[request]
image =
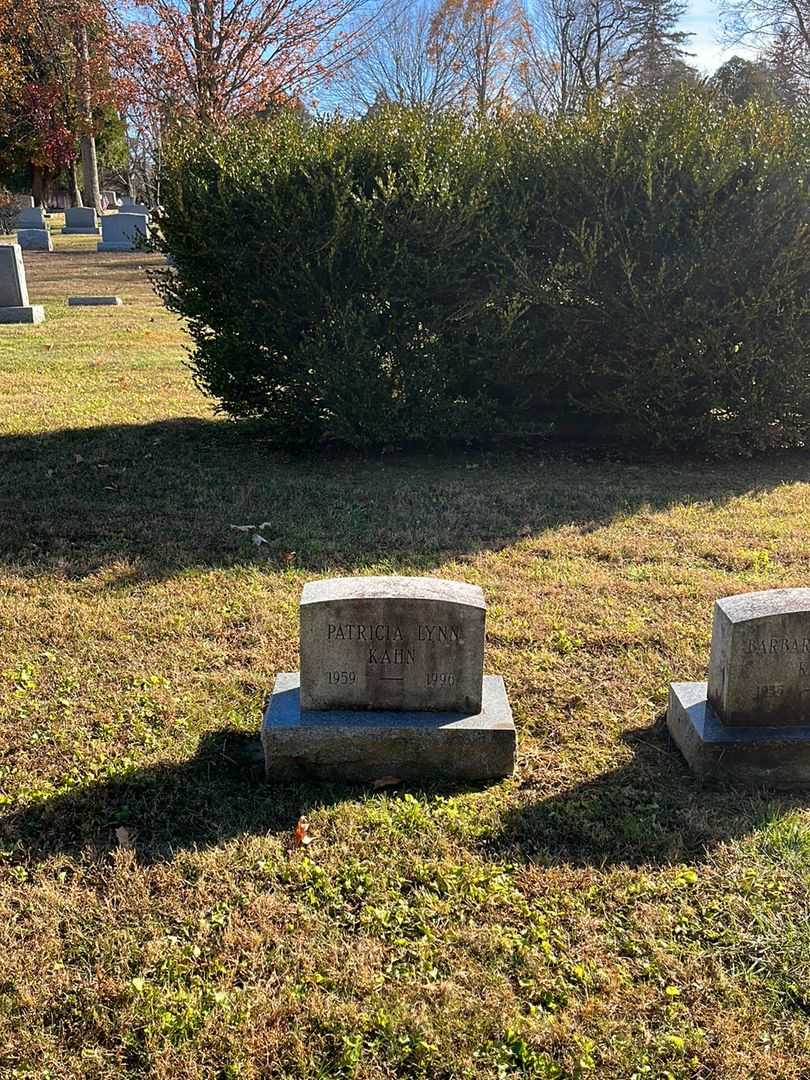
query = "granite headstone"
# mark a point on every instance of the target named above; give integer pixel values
(391, 683)
(751, 720)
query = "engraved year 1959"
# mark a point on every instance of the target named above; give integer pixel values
(341, 677)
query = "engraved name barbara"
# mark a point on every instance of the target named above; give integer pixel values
(777, 646)
(388, 644)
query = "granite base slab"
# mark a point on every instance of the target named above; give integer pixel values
(358, 746)
(112, 245)
(81, 232)
(756, 756)
(32, 313)
(94, 301)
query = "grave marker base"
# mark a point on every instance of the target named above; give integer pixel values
(776, 757)
(34, 313)
(363, 746)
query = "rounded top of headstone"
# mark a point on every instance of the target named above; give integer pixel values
(759, 605)
(381, 588)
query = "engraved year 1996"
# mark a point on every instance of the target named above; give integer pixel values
(441, 678)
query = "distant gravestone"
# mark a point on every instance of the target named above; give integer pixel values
(14, 306)
(391, 683)
(120, 231)
(80, 221)
(31, 218)
(94, 301)
(25, 202)
(35, 239)
(130, 206)
(110, 199)
(751, 720)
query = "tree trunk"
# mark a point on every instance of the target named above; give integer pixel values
(38, 185)
(92, 193)
(75, 189)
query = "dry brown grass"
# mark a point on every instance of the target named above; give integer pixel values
(601, 914)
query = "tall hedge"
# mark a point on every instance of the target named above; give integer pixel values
(642, 270)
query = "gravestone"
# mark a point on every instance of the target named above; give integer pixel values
(34, 239)
(80, 221)
(130, 206)
(392, 684)
(25, 202)
(94, 301)
(31, 217)
(14, 306)
(119, 231)
(110, 198)
(751, 720)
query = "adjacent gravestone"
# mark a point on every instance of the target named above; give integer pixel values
(120, 231)
(130, 206)
(80, 221)
(110, 198)
(391, 683)
(751, 720)
(34, 239)
(31, 217)
(14, 306)
(25, 202)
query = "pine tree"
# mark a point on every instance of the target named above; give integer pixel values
(654, 44)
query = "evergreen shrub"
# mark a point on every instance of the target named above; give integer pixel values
(642, 269)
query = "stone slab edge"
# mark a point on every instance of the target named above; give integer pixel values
(107, 245)
(361, 746)
(34, 313)
(81, 232)
(94, 301)
(755, 756)
(444, 590)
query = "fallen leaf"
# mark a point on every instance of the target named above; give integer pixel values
(124, 838)
(265, 525)
(243, 528)
(289, 558)
(386, 781)
(258, 540)
(301, 836)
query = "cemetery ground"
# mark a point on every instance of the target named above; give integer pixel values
(602, 913)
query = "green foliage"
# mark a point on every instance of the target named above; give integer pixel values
(642, 269)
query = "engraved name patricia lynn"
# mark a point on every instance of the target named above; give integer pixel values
(387, 644)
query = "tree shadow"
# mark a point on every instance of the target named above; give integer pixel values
(217, 794)
(651, 810)
(153, 499)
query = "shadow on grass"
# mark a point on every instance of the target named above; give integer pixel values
(209, 798)
(651, 810)
(163, 496)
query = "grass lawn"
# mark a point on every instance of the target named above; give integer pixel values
(602, 913)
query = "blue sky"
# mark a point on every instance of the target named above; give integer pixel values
(703, 20)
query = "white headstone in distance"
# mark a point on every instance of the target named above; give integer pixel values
(14, 306)
(80, 221)
(120, 231)
(35, 239)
